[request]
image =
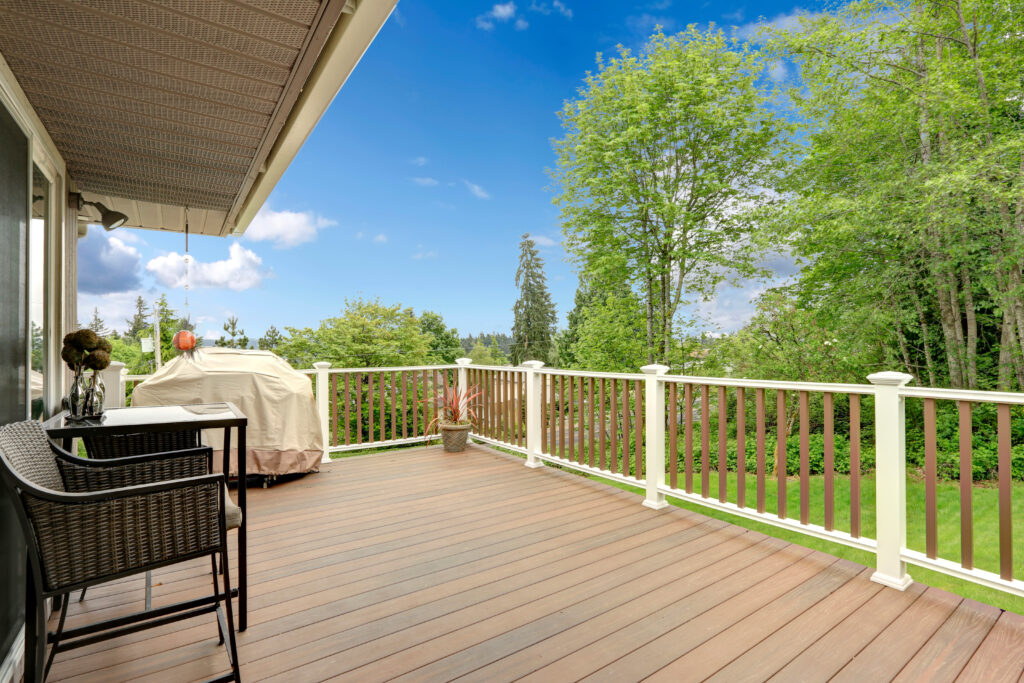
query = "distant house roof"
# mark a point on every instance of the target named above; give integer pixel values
(156, 107)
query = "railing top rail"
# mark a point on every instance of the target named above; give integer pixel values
(972, 395)
(589, 373)
(823, 387)
(135, 378)
(503, 368)
(401, 368)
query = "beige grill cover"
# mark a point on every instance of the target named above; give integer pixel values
(283, 436)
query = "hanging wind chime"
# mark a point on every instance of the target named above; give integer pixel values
(184, 340)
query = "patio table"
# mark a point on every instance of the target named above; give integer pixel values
(149, 419)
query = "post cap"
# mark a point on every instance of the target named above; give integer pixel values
(655, 369)
(321, 365)
(533, 364)
(890, 379)
(116, 366)
(463, 361)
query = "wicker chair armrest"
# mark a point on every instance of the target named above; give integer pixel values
(86, 538)
(81, 475)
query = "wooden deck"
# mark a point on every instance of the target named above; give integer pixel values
(424, 566)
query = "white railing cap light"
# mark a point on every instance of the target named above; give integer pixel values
(533, 364)
(655, 369)
(463, 361)
(890, 379)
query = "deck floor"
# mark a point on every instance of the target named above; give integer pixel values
(422, 566)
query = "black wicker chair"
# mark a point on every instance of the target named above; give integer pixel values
(88, 521)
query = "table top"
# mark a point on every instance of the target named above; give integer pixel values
(149, 419)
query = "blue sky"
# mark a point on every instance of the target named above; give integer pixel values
(419, 181)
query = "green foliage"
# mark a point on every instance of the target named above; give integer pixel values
(444, 343)
(97, 325)
(139, 322)
(270, 340)
(234, 337)
(533, 328)
(366, 334)
(487, 355)
(664, 157)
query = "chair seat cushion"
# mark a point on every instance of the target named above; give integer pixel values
(232, 513)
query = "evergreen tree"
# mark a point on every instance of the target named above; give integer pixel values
(567, 340)
(139, 322)
(234, 337)
(97, 325)
(270, 340)
(533, 328)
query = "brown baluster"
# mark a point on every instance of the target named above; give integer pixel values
(805, 458)
(966, 480)
(855, 465)
(561, 416)
(553, 420)
(359, 407)
(688, 436)
(383, 391)
(405, 404)
(334, 411)
(544, 413)
(613, 429)
(590, 420)
(673, 438)
(705, 440)
(1005, 488)
(347, 409)
(759, 437)
(638, 429)
(580, 455)
(723, 444)
(572, 418)
(780, 450)
(603, 437)
(369, 407)
(830, 463)
(625, 428)
(741, 448)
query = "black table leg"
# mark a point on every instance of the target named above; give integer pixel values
(35, 629)
(243, 571)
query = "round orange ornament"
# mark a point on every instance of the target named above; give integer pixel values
(184, 341)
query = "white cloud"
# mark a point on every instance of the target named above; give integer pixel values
(500, 12)
(543, 240)
(504, 11)
(419, 161)
(425, 182)
(522, 24)
(786, 21)
(778, 71)
(556, 6)
(213, 334)
(240, 271)
(360, 235)
(285, 228)
(106, 263)
(738, 15)
(478, 192)
(422, 253)
(645, 24)
(380, 238)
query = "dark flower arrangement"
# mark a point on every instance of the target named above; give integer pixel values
(85, 350)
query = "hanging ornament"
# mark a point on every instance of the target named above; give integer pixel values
(184, 340)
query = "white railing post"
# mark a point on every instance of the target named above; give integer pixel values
(463, 363)
(890, 480)
(654, 446)
(534, 400)
(321, 406)
(113, 386)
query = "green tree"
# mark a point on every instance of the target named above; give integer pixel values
(139, 322)
(97, 325)
(533, 327)
(610, 336)
(445, 346)
(664, 156)
(234, 337)
(366, 334)
(907, 201)
(270, 340)
(485, 355)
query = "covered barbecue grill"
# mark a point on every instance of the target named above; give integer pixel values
(283, 435)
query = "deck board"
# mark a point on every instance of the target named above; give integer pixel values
(422, 566)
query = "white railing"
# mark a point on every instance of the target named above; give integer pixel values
(613, 426)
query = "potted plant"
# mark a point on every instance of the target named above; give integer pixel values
(454, 416)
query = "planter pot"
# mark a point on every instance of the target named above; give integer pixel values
(454, 436)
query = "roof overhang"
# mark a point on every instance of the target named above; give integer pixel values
(201, 106)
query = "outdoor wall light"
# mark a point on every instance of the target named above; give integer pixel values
(108, 219)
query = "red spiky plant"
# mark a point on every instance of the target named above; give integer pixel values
(453, 406)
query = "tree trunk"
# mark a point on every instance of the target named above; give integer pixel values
(925, 340)
(971, 349)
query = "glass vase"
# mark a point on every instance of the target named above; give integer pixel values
(77, 396)
(97, 391)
